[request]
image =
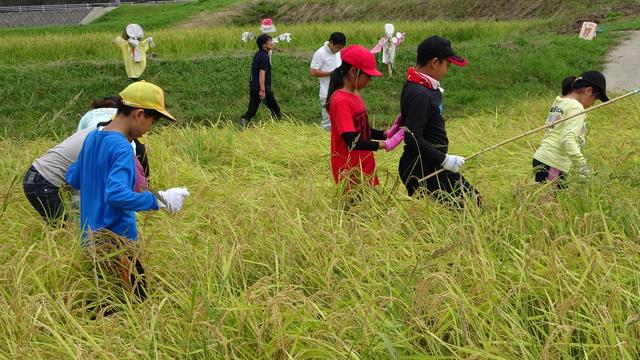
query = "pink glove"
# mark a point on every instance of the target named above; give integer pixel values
(394, 127)
(141, 181)
(394, 141)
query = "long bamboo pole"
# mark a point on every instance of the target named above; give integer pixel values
(527, 133)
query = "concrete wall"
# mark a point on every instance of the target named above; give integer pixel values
(38, 18)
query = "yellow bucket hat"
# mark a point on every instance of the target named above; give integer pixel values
(144, 95)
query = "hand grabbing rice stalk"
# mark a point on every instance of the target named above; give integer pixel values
(105, 174)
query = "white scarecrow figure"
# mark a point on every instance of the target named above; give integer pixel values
(388, 44)
(134, 49)
(267, 27)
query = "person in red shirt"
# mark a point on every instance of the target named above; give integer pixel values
(353, 141)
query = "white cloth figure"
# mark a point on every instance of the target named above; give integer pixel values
(286, 37)
(246, 36)
(388, 44)
(135, 34)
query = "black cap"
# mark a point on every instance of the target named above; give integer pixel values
(596, 80)
(437, 47)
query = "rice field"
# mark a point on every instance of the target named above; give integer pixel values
(266, 261)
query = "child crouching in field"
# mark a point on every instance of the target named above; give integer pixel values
(105, 174)
(44, 180)
(353, 141)
(561, 147)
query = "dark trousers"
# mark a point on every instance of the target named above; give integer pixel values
(141, 154)
(541, 173)
(114, 262)
(118, 257)
(446, 186)
(43, 195)
(254, 103)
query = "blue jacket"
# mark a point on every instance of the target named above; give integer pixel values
(105, 175)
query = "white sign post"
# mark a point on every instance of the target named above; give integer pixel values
(588, 31)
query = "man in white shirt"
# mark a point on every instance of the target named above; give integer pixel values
(325, 60)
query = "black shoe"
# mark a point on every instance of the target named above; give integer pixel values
(243, 123)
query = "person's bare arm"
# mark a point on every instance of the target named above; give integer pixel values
(262, 93)
(318, 73)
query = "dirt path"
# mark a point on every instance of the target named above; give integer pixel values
(622, 69)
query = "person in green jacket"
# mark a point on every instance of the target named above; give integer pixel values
(560, 151)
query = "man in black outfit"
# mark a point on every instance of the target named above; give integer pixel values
(260, 82)
(426, 142)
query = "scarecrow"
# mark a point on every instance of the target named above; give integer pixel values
(267, 27)
(388, 44)
(134, 50)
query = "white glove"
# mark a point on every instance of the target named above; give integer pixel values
(584, 171)
(453, 163)
(171, 200)
(150, 42)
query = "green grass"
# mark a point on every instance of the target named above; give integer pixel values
(264, 263)
(156, 16)
(206, 77)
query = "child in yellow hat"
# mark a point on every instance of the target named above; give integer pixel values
(105, 174)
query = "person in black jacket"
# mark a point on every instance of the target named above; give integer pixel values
(260, 82)
(426, 142)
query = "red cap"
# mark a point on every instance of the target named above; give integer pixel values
(360, 58)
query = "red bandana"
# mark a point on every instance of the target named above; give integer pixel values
(419, 78)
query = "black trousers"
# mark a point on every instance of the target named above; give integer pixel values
(254, 103)
(446, 186)
(43, 195)
(541, 173)
(120, 258)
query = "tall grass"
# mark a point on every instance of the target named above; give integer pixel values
(205, 72)
(188, 43)
(265, 263)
